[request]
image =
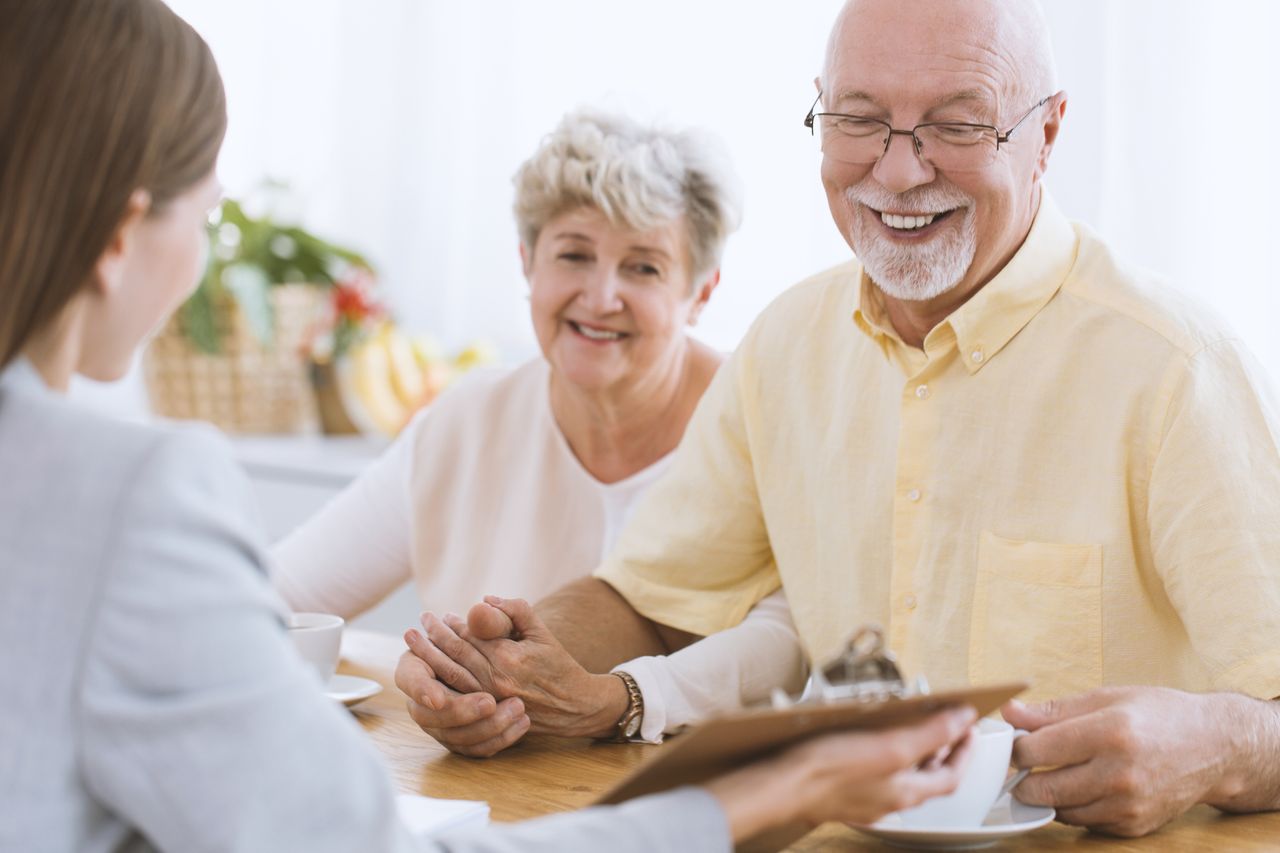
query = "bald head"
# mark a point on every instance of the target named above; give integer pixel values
(930, 64)
(1009, 36)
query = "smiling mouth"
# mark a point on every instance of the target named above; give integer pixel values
(593, 334)
(911, 223)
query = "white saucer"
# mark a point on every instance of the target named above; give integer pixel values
(1007, 817)
(350, 689)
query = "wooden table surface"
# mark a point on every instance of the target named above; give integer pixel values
(542, 775)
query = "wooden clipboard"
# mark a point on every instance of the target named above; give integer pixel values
(724, 743)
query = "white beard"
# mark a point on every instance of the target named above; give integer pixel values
(913, 272)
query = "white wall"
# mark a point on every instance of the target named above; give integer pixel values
(400, 122)
(1167, 150)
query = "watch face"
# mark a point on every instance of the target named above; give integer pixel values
(633, 726)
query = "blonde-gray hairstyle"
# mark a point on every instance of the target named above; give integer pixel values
(638, 176)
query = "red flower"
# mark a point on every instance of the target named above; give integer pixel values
(353, 298)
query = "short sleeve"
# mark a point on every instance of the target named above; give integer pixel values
(696, 554)
(1214, 511)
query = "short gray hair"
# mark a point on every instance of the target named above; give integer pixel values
(638, 176)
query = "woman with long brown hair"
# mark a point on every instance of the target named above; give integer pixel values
(152, 698)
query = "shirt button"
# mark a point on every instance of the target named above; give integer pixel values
(922, 391)
(913, 495)
(909, 601)
(977, 356)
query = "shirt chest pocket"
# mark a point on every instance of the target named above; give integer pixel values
(1037, 616)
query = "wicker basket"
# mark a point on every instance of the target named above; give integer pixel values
(245, 388)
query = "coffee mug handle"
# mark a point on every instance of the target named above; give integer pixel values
(1012, 781)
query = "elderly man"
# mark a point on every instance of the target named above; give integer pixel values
(1027, 459)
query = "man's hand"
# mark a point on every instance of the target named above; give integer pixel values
(1127, 760)
(505, 650)
(469, 723)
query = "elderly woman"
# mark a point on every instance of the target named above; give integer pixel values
(520, 480)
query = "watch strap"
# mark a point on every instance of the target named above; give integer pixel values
(628, 725)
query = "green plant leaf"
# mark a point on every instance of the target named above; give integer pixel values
(249, 287)
(247, 257)
(198, 321)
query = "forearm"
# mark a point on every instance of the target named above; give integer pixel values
(1251, 781)
(597, 626)
(353, 552)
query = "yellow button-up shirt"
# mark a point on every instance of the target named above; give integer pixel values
(1076, 482)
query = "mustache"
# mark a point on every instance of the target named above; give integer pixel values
(926, 199)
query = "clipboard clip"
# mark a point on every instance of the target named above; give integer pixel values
(866, 671)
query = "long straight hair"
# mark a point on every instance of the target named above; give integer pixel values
(98, 98)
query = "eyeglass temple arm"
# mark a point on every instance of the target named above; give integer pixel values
(808, 119)
(1009, 133)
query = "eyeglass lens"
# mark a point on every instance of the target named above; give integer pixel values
(954, 147)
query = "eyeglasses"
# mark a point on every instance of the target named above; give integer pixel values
(952, 146)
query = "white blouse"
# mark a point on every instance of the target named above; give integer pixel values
(481, 494)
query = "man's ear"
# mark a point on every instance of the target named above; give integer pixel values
(1052, 125)
(109, 270)
(703, 294)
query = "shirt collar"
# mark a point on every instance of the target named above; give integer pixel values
(21, 375)
(1002, 307)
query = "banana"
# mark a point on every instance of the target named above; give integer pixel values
(386, 377)
(427, 350)
(407, 377)
(436, 371)
(438, 376)
(365, 385)
(477, 354)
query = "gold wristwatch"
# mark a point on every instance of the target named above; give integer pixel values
(629, 723)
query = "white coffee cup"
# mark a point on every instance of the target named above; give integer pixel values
(318, 638)
(985, 778)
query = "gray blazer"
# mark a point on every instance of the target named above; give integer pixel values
(151, 696)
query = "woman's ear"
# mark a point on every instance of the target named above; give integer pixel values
(702, 295)
(526, 260)
(109, 270)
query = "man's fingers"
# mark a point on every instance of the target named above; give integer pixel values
(1108, 816)
(1032, 716)
(446, 670)
(487, 622)
(1074, 741)
(1064, 788)
(523, 620)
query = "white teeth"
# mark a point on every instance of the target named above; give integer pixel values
(906, 223)
(596, 334)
